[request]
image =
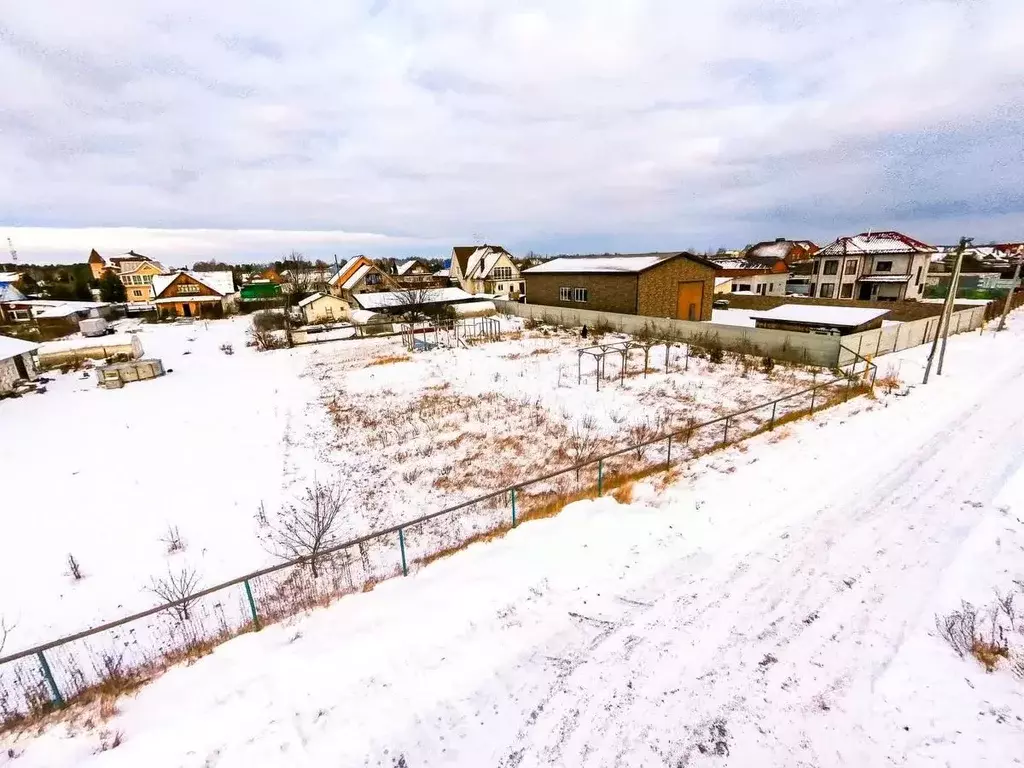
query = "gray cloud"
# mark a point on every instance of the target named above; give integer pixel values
(536, 124)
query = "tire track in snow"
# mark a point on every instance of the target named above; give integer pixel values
(759, 667)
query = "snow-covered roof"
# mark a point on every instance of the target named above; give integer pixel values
(363, 316)
(9, 293)
(310, 299)
(9, 347)
(875, 242)
(221, 282)
(610, 263)
(385, 299)
(813, 314)
(44, 308)
(9, 277)
(345, 268)
(406, 266)
(86, 342)
(353, 281)
(443, 273)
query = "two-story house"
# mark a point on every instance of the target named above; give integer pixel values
(194, 294)
(134, 270)
(360, 275)
(486, 269)
(872, 266)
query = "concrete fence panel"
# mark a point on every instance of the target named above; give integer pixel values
(780, 345)
(906, 335)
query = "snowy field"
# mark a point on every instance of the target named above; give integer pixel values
(102, 475)
(773, 606)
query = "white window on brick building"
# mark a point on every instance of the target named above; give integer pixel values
(565, 294)
(580, 295)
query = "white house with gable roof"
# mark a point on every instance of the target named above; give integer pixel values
(487, 269)
(872, 266)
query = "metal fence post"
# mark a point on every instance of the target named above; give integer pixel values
(252, 605)
(57, 698)
(774, 406)
(725, 434)
(668, 462)
(814, 391)
(600, 477)
(401, 544)
(849, 382)
(513, 507)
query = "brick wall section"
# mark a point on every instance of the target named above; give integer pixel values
(653, 292)
(607, 293)
(659, 287)
(904, 311)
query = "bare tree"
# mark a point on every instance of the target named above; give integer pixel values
(304, 529)
(5, 630)
(177, 588)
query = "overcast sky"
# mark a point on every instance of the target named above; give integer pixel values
(241, 130)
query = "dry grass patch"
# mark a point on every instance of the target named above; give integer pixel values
(388, 359)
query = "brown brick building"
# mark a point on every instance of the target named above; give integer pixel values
(674, 285)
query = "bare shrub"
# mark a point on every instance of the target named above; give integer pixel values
(74, 568)
(583, 441)
(269, 321)
(177, 588)
(962, 631)
(261, 516)
(889, 383)
(173, 540)
(109, 741)
(304, 529)
(601, 328)
(267, 340)
(767, 366)
(639, 433)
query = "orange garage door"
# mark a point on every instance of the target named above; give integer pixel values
(689, 300)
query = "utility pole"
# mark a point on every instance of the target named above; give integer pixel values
(1013, 287)
(947, 309)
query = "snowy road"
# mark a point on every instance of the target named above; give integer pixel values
(773, 609)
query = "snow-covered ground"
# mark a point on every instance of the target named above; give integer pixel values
(102, 475)
(773, 606)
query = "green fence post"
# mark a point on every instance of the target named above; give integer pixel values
(513, 507)
(774, 406)
(600, 476)
(813, 393)
(668, 462)
(725, 434)
(401, 544)
(252, 606)
(57, 698)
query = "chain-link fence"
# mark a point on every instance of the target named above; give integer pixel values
(121, 653)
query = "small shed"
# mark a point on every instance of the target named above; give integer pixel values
(816, 318)
(16, 364)
(323, 308)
